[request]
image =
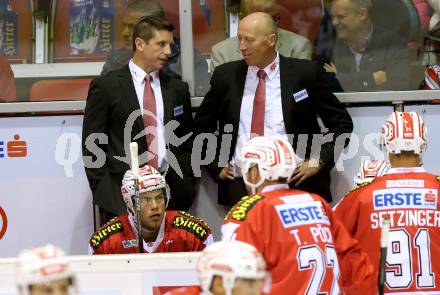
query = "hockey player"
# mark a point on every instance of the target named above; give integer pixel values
(408, 195)
(43, 271)
(229, 268)
(162, 231)
(306, 248)
(369, 170)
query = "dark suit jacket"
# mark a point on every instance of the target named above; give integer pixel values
(111, 100)
(386, 52)
(222, 104)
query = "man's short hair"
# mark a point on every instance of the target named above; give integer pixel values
(148, 26)
(147, 7)
(361, 4)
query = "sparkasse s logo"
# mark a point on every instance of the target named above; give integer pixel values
(3, 223)
(14, 148)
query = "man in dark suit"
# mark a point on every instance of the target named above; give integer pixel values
(139, 98)
(294, 94)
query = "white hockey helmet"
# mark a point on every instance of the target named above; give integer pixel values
(41, 266)
(274, 158)
(404, 131)
(149, 180)
(231, 260)
(370, 169)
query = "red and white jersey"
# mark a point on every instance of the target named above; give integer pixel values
(432, 77)
(306, 248)
(186, 291)
(179, 232)
(409, 196)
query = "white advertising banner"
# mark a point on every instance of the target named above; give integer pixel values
(44, 193)
(133, 274)
(45, 197)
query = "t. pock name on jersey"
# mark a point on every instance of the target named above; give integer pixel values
(301, 214)
(405, 198)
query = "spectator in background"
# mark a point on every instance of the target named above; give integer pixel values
(366, 57)
(7, 81)
(43, 271)
(269, 94)
(161, 231)
(432, 72)
(120, 57)
(289, 44)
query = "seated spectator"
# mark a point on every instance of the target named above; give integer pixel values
(229, 268)
(7, 81)
(171, 231)
(369, 170)
(44, 270)
(120, 57)
(288, 44)
(432, 72)
(366, 57)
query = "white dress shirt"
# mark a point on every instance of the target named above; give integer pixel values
(138, 76)
(273, 113)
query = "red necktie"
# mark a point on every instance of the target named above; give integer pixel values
(257, 126)
(150, 121)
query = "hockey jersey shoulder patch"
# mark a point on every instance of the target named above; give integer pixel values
(240, 210)
(192, 224)
(356, 187)
(110, 228)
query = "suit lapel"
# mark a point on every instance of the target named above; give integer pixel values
(288, 81)
(237, 93)
(126, 82)
(167, 97)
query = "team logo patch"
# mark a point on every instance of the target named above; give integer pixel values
(191, 224)
(129, 244)
(405, 198)
(301, 214)
(438, 178)
(240, 211)
(106, 232)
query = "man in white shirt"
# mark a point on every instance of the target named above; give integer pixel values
(139, 98)
(269, 94)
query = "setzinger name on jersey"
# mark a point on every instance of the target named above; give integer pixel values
(410, 217)
(301, 214)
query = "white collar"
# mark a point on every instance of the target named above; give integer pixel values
(271, 69)
(139, 74)
(406, 170)
(274, 187)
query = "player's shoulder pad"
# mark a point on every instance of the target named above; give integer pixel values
(240, 210)
(196, 226)
(359, 186)
(106, 231)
